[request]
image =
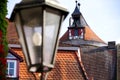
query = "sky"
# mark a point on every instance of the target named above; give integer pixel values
(103, 16)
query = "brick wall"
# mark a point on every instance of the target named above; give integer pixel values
(99, 62)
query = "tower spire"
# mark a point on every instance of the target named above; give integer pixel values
(77, 4)
(76, 30)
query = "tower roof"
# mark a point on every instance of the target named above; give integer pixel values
(89, 36)
(76, 12)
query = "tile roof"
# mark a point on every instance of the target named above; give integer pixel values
(12, 34)
(89, 36)
(95, 64)
(67, 67)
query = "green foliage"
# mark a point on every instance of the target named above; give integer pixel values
(3, 39)
(3, 24)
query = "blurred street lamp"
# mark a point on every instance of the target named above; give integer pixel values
(38, 25)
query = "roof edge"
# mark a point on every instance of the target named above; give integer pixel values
(68, 48)
(82, 67)
(16, 55)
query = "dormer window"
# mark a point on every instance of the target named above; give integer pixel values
(11, 68)
(13, 60)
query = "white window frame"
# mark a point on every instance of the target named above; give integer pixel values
(15, 68)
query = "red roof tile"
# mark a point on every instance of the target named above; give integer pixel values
(65, 36)
(12, 34)
(67, 67)
(89, 36)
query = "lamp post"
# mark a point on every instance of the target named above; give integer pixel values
(38, 25)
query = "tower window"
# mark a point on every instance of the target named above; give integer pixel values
(76, 32)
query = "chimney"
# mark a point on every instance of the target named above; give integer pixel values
(111, 45)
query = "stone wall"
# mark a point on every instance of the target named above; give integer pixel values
(118, 62)
(99, 62)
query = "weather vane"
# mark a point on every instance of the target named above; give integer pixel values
(77, 3)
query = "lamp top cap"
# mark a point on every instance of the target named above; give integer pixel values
(36, 3)
(53, 3)
(57, 5)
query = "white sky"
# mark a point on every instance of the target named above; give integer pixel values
(103, 16)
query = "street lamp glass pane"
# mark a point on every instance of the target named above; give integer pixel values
(32, 27)
(52, 21)
(21, 38)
